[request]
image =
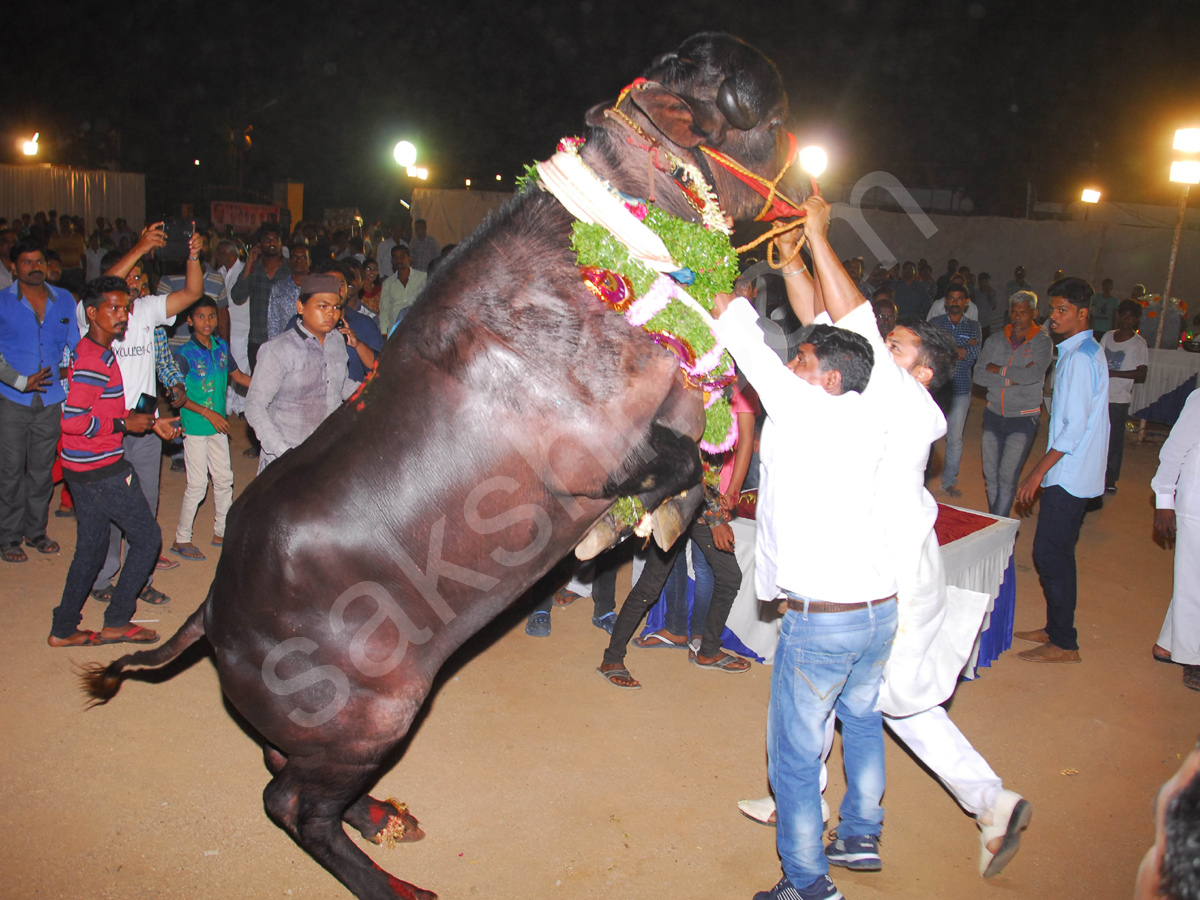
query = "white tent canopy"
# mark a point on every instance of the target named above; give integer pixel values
(452, 215)
(89, 193)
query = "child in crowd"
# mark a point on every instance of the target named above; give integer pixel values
(301, 375)
(207, 367)
(1128, 358)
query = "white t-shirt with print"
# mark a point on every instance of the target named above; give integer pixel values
(135, 351)
(1123, 356)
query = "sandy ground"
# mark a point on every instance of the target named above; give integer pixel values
(535, 779)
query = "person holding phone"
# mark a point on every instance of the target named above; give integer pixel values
(135, 354)
(106, 488)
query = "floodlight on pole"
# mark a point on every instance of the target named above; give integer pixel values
(468, 184)
(422, 173)
(498, 178)
(1090, 195)
(813, 160)
(30, 148)
(1185, 171)
(405, 154)
(1187, 140)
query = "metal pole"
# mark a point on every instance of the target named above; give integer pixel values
(1166, 294)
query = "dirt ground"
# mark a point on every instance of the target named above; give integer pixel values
(535, 779)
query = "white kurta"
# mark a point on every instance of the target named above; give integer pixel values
(1176, 486)
(938, 623)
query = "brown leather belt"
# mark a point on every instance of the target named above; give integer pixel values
(821, 606)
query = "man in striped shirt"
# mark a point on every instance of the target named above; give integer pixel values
(104, 486)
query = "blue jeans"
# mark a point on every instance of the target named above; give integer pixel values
(824, 662)
(1005, 447)
(956, 420)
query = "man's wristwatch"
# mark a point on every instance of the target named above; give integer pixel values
(119, 426)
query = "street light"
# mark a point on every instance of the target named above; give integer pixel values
(1090, 196)
(1185, 172)
(405, 154)
(30, 148)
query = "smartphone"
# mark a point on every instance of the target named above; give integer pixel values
(147, 403)
(179, 234)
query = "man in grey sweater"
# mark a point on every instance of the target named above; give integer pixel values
(1012, 366)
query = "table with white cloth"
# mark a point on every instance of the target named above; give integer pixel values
(978, 558)
(1170, 376)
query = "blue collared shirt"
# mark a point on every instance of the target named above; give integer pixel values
(1079, 423)
(29, 345)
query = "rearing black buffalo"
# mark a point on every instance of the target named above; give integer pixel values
(507, 413)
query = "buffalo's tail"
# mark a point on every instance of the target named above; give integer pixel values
(101, 682)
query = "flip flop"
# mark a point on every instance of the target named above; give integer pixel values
(655, 641)
(726, 663)
(619, 673)
(133, 636)
(92, 638)
(1162, 659)
(218, 542)
(189, 553)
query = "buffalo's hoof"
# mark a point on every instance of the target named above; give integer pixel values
(602, 536)
(401, 828)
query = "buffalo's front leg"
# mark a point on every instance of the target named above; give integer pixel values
(308, 801)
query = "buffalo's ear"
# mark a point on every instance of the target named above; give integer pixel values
(670, 114)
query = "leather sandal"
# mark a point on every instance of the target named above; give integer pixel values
(43, 544)
(12, 553)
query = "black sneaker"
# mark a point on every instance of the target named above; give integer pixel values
(858, 853)
(821, 889)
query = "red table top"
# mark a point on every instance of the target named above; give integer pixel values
(953, 524)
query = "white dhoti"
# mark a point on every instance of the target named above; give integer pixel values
(1181, 628)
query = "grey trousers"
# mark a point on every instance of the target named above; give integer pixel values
(144, 453)
(28, 445)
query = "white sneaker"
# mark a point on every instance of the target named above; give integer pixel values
(763, 810)
(1010, 817)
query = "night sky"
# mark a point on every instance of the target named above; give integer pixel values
(982, 96)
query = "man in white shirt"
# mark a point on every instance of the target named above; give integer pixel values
(819, 453)
(229, 268)
(424, 248)
(1128, 362)
(383, 254)
(1176, 487)
(399, 290)
(938, 623)
(135, 358)
(8, 238)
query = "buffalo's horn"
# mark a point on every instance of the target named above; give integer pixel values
(729, 104)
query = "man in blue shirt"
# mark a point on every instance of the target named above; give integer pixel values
(968, 337)
(37, 323)
(1072, 471)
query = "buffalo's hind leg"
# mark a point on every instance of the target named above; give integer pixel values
(308, 798)
(387, 822)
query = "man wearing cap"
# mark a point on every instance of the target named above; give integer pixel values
(301, 376)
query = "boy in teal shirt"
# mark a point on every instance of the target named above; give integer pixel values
(207, 366)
